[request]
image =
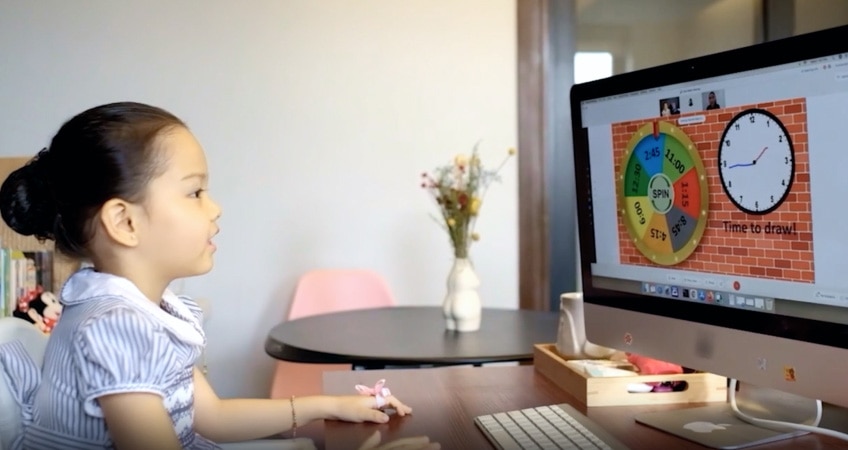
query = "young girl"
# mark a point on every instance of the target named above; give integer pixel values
(124, 186)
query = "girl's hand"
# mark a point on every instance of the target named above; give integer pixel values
(419, 442)
(363, 408)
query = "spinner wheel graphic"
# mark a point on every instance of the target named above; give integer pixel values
(664, 195)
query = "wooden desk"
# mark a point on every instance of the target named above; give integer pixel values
(445, 401)
(411, 336)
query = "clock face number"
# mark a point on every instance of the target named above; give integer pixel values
(756, 161)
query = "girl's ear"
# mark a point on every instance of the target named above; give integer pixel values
(119, 221)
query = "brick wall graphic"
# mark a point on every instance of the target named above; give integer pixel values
(717, 236)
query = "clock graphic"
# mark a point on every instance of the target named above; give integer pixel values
(756, 161)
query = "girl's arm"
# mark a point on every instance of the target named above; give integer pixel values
(138, 421)
(234, 420)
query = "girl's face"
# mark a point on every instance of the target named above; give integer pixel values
(180, 216)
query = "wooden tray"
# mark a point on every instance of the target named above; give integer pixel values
(612, 391)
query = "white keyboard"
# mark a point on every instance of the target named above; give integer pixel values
(546, 427)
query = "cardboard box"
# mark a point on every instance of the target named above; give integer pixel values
(613, 391)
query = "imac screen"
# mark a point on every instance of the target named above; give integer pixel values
(712, 201)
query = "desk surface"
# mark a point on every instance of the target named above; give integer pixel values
(445, 400)
(413, 335)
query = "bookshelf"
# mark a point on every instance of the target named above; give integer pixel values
(63, 267)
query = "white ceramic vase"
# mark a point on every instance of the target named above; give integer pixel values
(462, 307)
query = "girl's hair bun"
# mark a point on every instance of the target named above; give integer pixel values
(27, 202)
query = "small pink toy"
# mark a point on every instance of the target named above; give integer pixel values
(378, 391)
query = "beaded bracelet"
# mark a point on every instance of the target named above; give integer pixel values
(294, 418)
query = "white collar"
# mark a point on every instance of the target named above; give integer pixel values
(87, 284)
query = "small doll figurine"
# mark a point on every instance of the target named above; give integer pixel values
(41, 308)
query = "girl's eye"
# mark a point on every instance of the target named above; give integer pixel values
(197, 193)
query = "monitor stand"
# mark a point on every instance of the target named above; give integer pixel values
(716, 426)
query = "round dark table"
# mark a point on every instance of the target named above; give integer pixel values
(410, 335)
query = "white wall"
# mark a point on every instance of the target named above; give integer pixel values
(722, 25)
(718, 26)
(814, 15)
(657, 39)
(317, 119)
(652, 45)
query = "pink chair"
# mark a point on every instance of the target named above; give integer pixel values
(321, 292)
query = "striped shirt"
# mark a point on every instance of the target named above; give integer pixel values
(111, 339)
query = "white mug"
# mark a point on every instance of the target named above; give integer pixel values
(571, 337)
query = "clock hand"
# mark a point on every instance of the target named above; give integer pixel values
(751, 163)
(760, 155)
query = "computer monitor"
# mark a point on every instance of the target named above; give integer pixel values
(712, 208)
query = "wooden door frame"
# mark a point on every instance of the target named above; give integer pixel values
(533, 243)
(546, 44)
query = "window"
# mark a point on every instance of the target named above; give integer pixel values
(590, 66)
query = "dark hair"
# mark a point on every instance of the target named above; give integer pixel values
(102, 153)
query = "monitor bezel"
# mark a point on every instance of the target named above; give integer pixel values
(783, 51)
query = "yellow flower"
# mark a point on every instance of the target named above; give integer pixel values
(460, 160)
(475, 206)
(458, 189)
